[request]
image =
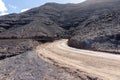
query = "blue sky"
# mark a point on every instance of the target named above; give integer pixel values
(17, 6)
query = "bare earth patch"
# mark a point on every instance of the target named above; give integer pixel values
(99, 65)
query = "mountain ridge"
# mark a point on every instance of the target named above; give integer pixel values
(90, 25)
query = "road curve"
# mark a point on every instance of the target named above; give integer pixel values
(100, 64)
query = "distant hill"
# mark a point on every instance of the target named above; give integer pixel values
(93, 24)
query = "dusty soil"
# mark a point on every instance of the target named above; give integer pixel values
(57, 61)
(28, 66)
(21, 62)
(102, 65)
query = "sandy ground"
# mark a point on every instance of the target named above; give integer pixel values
(103, 65)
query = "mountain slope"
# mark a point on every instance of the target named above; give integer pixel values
(101, 30)
(90, 25)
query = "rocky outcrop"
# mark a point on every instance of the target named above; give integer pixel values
(100, 31)
(9, 48)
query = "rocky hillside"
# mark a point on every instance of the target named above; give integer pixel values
(10, 48)
(101, 28)
(92, 24)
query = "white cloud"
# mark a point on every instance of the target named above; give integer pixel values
(12, 6)
(23, 10)
(3, 9)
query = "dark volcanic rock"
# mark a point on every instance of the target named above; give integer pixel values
(100, 29)
(93, 24)
(9, 48)
(35, 22)
(87, 24)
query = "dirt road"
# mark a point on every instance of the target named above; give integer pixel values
(103, 65)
